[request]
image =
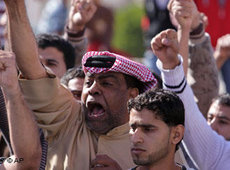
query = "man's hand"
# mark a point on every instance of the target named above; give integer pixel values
(204, 19)
(104, 162)
(81, 12)
(8, 72)
(165, 47)
(184, 14)
(222, 52)
(223, 46)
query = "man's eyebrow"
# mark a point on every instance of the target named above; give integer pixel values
(52, 60)
(143, 125)
(224, 117)
(147, 126)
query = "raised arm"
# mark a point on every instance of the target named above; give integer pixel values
(195, 47)
(80, 14)
(209, 150)
(22, 40)
(24, 133)
(186, 18)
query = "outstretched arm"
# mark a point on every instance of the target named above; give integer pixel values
(22, 40)
(186, 18)
(22, 125)
(199, 137)
(201, 71)
(80, 14)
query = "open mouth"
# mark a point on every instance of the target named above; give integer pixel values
(96, 110)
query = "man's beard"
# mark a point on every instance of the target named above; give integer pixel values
(153, 158)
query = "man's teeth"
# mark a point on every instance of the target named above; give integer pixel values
(97, 111)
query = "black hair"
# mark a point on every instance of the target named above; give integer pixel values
(223, 99)
(52, 40)
(159, 80)
(133, 82)
(165, 104)
(76, 72)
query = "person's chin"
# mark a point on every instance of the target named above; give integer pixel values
(97, 125)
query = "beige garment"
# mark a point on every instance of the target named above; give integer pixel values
(71, 144)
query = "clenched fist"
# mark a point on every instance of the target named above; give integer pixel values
(81, 11)
(8, 72)
(165, 47)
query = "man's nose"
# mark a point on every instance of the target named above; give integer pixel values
(94, 89)
(137, 136)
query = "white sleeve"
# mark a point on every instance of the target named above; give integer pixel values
(209, 150)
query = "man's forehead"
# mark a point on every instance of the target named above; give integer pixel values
(219, 109)
(142, 116)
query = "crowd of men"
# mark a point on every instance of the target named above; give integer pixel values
(112, 112)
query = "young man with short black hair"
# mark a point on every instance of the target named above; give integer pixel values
(156, 129)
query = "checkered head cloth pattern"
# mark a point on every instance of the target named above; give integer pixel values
(96, 62)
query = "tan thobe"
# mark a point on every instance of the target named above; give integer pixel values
(72, 146)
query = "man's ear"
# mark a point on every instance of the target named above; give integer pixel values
(133, 92)
(177, 134)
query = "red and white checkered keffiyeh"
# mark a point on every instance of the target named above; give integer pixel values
(122, 65)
